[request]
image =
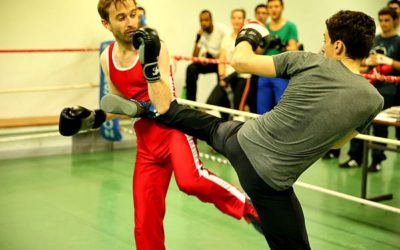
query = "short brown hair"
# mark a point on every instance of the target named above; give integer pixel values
(104, 5)
(275, 0)
(355, 29)
(388, 11)
(239, 10)
(260, 6)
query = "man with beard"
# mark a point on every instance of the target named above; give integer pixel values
(161, 151)
(208, 44)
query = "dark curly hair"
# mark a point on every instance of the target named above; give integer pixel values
(355, 29)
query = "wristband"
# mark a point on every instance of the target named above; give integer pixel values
(151, 72)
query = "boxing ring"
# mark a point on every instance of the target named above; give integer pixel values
(51, 131)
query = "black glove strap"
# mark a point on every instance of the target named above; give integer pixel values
(250, 35)
(151, 72)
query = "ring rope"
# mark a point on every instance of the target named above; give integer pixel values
(384, 78)
(49, 50)
(393, 79)
(48, 88)
(200, 60)
(27, 137)
(348, 197)
(306, 185)
(226, 162)
(252, 115)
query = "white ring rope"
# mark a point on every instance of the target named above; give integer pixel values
(299, 183)
(378, 139)
(224, 161)
(320, 189)
(28, 137)
(48, 88)
(217, 108)
(348, 197)
(252, 115)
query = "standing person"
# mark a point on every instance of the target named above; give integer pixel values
(261, 13)
(141, 12)
(269, 153)
(285, 36)
(395, 5)
(384, 59)
(208, 45)
(228, 93)
(161, 151)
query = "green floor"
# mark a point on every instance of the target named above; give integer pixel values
(84, 202)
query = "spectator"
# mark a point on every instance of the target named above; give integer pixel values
(208, 44)
(384, 59)
(261, 13)
(228, 93)
(270, 90)
(395, 4)
(141, 12)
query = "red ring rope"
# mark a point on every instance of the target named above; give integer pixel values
(48, 50)
(384, 78)
(200, 59)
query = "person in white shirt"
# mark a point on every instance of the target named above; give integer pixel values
(208, 44)
(228, 93)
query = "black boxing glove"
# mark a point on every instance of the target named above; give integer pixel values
(275, 42)
(254, 33)
(147, 42)
(74, 119)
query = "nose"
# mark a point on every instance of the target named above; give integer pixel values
(132, 21)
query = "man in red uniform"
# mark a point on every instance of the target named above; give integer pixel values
(161, 151)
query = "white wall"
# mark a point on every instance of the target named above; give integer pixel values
(75, 24)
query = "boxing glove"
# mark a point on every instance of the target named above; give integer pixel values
(147, 42)
(255, 33)
(74, 119)
(382, 59)
(275, 42)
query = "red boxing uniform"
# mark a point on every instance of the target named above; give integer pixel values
(162, 151)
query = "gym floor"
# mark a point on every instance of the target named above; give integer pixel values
(84, 202)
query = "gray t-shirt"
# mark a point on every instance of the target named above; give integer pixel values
(323, 103)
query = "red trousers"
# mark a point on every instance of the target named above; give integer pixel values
(162, 151)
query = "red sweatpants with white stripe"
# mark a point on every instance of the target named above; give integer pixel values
(162, 151)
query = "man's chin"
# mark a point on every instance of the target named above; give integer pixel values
(127, 40)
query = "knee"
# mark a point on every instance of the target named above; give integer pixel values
(223, 132)
(193, 183)
(192, 69)
(188, 187)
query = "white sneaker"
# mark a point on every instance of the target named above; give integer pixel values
(349, 164)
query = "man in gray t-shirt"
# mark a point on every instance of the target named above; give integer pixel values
(283, 143)
(327, 102)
